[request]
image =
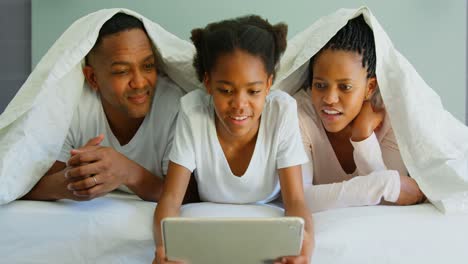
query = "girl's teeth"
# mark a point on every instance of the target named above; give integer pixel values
(238, 118)
(331, 112)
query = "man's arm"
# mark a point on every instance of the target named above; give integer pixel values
(52, 186)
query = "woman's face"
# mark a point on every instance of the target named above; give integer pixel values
(239, 85)
(339, 87)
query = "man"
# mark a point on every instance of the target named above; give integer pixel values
(122, 129)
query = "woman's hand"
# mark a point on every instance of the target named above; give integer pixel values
(366, 122)
(409, 192)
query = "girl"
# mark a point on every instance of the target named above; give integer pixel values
(345, 131)
(241, 140)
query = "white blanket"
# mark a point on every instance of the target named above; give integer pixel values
(117, 228)
(34, 125)
(433, 144)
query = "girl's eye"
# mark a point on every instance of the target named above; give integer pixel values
(254, 92)
(319, 86)
(346, 87)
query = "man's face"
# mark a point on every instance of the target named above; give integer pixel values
(122, 70)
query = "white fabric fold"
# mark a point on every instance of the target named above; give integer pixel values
(34, 125)
(433, 144)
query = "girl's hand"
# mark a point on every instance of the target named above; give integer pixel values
(366, 122)
(161, 257)
(292, 260)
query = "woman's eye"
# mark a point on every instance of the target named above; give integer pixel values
(224, 91)
(319, 86)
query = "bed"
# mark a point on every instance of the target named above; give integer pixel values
(117, 228)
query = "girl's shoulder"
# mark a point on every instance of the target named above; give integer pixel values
(195, 101)
(280, 102)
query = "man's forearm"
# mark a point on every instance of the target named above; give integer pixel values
(49, 188)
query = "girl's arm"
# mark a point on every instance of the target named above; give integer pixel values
(294, 205)
(175, 186)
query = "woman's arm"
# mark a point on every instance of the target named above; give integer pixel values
(294, 205)
(175, 186)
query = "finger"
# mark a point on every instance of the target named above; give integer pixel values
(73, 152)
(83, 171)
(93, 192)
(95, 141)
(84, 157)
(84, 184)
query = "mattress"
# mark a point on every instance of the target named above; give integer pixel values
(117, 228)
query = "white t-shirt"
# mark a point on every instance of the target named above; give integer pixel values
(197, 148)
(151, 144)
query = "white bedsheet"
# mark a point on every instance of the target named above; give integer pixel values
(117, 228)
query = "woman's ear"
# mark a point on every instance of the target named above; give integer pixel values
(206, 83)
(269, 84)
(90, 77)
(371, 86)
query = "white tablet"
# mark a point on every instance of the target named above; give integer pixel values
(231, 240)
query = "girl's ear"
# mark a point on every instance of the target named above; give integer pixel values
(90, 77)
(371, 86)
(206, 83)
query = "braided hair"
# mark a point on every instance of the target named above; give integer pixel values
(355, 36)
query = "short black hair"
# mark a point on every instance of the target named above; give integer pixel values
(251, 33)
(117, 23)
(355, 36)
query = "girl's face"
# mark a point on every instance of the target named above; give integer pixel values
(239, 85)
(339, 87)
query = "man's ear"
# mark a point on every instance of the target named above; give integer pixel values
(371, 86)
(90, 76)
(206, 83)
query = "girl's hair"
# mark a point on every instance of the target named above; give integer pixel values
(251, 34)
(355, 36)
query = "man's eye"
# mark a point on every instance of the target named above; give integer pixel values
(149, 66)
(119, 72)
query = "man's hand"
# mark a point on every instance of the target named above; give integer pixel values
(97, 170)
(366, 122)
(409, 192)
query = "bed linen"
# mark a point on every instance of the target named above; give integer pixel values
(117, 228)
